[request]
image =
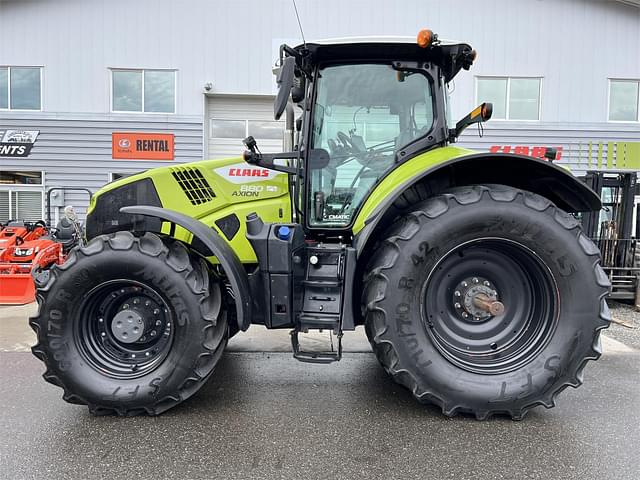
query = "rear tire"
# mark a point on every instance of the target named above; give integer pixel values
(429, 335)
(129, 325)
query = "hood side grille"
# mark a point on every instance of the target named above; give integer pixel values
(193, 184)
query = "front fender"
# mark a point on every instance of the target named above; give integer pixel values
(219, 248)
(450, 167)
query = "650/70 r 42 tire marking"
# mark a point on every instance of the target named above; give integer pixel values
(119, 278)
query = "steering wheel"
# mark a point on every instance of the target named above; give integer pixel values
(346, 141)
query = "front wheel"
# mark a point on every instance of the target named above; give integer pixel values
(129, 325)
(486, 300)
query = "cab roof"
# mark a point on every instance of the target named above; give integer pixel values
(450, 56)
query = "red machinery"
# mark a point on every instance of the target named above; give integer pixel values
(17, 232)
(26, 249)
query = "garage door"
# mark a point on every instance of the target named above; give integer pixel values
(232, 118)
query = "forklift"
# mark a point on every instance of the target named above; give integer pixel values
(613, 230)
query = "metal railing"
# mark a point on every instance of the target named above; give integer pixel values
(621, 263)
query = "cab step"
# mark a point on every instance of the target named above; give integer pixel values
(328, 356)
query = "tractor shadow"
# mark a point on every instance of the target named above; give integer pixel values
(355, 384)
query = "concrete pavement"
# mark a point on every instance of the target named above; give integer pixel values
(264, 415)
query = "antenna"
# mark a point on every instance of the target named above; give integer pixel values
(295, 7)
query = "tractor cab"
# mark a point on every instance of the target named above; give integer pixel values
(366, 105)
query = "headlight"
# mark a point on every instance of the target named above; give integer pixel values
(106, 217)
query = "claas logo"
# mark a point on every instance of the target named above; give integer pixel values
(536, 152)
(248, 172)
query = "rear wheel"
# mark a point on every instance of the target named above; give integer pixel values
(486, 300)
(129, 325)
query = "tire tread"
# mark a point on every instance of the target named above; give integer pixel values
(195, 273)
(375, 286)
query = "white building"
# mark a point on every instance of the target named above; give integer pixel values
(561, 73)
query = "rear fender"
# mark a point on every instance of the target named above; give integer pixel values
(518, 171)
(217, 246)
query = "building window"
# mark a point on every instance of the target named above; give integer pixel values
(259, 129)
(21, 88)
(513, 98)
(148, 91)
(21, 196)
(624, 104)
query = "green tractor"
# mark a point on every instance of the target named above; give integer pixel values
(475, 284)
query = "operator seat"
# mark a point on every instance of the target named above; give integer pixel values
(64, 234)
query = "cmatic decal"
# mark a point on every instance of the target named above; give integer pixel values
(17, 143)
(245, 173)
(142, 146)
(537, 152)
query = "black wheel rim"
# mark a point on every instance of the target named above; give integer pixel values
(125, 328)
(490, 272)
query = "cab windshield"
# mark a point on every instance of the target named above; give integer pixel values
(364, 114)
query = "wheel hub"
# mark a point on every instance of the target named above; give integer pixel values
(490, 305)
(475, 300)
(127, 326)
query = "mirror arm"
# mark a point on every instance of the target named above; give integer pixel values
(290, 51)
(266, 160)
(480, 114)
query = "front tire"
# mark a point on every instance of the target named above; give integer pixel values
(129, 325)
(427, 288)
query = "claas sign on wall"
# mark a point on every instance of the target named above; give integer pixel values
(537, 152)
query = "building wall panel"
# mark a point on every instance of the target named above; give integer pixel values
(75, 150)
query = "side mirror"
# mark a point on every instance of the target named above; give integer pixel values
(481, 113)
(298, 90)
(284, 82)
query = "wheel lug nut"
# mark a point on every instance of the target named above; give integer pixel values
(457, 305)
(147, 354)
(156, 312)
(152, 333)
(486, 284)
(494, 293)
(465, 284)
(465, 315)
(147, 303)
(457, 293)
(101, 320)
(136, 301)
(125, 306)
(103, 334)
(158, 323)
(475, 280)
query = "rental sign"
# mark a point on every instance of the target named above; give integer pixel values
(142, 146)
